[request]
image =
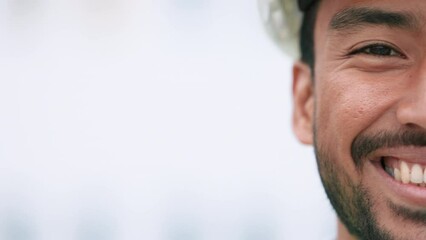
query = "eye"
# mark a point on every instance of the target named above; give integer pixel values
(378, 49)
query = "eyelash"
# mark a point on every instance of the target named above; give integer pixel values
(368, 50)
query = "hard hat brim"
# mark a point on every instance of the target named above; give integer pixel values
(282, 20)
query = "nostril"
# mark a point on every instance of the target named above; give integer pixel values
(411, 125)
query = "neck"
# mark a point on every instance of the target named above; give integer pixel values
(342, 232)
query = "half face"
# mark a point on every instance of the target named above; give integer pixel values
(365, 111)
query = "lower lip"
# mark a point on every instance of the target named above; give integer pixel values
(407, 192)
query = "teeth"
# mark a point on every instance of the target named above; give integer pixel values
(405, 172)
(398, 174)
(424, 176)
(416, 174)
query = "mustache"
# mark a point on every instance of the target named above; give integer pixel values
(365, 144)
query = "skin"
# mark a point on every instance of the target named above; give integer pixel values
(348, 95)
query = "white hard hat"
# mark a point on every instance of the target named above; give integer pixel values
(282, 20)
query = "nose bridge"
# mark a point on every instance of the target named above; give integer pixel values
(412, 108)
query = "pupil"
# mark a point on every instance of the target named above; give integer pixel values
(380, 50)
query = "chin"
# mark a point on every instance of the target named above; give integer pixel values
(367, 209)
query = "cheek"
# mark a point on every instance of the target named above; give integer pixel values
(345, 107)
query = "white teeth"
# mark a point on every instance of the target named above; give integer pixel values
(397, 174)
(405, 172)
(416, 174)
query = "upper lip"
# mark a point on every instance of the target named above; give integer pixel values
(412, 154)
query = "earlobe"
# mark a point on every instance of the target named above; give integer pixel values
(303, 103)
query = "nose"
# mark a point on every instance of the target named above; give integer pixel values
(411, 111)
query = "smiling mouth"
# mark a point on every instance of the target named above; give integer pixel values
(403, 171)
(399, 174)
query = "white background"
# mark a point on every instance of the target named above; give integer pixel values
(165, 119)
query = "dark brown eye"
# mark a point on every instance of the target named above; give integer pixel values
(380, 50)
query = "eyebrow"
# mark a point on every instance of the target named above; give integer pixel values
(356, 17)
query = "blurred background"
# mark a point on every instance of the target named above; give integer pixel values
(150, 120)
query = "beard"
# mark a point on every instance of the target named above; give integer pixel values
(353, 203)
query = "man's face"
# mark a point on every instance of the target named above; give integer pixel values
(365, 111)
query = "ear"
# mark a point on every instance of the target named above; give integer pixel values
(303, 103)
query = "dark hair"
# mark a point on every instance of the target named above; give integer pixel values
(307, 35)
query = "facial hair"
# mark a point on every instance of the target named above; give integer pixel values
(353, 203)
